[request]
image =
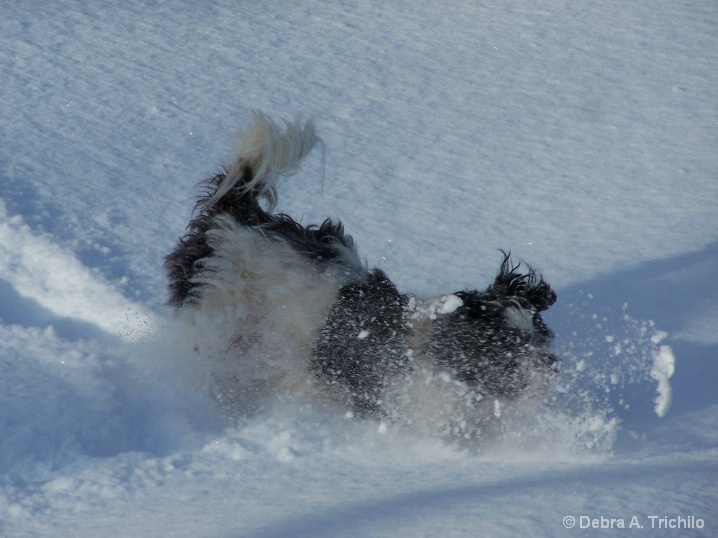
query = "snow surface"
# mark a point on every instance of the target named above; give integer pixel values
(580, 136)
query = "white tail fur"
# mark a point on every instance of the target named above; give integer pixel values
(270, 152)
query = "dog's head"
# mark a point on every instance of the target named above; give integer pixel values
(496, 340)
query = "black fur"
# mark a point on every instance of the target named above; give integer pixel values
(481, 346)
(321, 244)
(364, 341)
(494, 341)
(475, 343)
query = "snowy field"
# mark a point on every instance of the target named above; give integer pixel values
(582, 136)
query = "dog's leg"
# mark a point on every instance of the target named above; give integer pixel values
(363, 343)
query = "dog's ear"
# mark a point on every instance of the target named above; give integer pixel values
(530, 286)
(541, 295)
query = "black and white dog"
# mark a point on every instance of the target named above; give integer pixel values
(278, 302)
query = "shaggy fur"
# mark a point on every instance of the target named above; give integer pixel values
(269, 294)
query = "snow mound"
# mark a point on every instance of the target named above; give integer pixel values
(41, 271)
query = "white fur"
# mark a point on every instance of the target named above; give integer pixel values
(259, 306)
(271, 152)
(259, 311)
(520, 318)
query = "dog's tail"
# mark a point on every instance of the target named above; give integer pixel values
(267, 152)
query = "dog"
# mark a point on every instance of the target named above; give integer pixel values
(281, 302)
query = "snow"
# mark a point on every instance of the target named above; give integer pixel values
(664, 366)
(579, 136)
(39, 271)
